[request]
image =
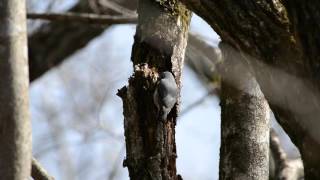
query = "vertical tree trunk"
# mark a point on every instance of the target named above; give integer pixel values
(15, 134)
(244, 152)
(159, 45)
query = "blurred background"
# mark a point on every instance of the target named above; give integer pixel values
(77, 118)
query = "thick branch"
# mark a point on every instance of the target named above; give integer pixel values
(283, 56)
(204, 60)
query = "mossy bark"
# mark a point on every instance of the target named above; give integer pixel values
(280, 42)
(15, 131)
(159, 45)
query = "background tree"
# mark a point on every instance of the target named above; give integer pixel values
(15, 132)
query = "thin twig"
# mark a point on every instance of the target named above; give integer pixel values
(198, 102)
(94, 6)
(84, 18)
(117, 8)
(38, 172)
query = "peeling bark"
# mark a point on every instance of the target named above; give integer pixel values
(15, 133)
(244, 152)
(159, 45)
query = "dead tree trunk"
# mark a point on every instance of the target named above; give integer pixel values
(15, 133)
(159, 45)
(244, 152)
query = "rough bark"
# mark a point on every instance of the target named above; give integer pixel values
(15, 133)
(56, 41)
(244, 151)
(280, 40)
(159, 45)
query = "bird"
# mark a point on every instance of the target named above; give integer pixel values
(165, 95)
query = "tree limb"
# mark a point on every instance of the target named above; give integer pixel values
(54, 42)
(84, 18)
(284, 57)
(284, 168)
(117, 8)
(38, 172)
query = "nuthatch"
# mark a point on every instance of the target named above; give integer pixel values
(165, 95)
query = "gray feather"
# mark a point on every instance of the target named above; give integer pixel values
(165, 95)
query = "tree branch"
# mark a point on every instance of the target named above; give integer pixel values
(46, 47)
(284, 168)
(84, 18)
(38, 172)
(117, 8)
(198, 102)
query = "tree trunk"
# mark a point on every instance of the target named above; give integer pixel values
(244, 152)
(280, 40)
(15, 133)
(159, 45)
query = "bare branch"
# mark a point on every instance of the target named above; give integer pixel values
(204, 60)
(117, 8)
(284, 168)
(84, 18)
(279, 155)
(38, 172)
(199, 101)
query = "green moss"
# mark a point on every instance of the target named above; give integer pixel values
(169, 5)
(174, 7)
(177, 9)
